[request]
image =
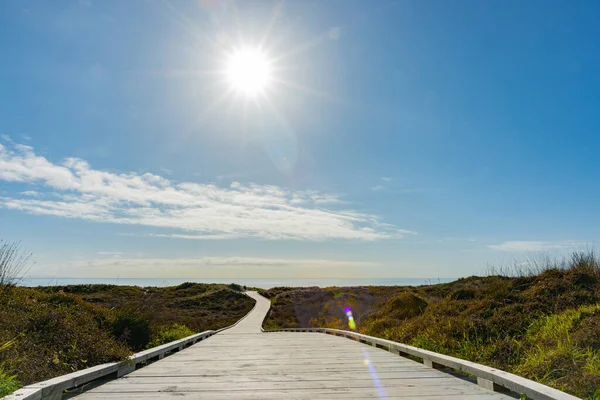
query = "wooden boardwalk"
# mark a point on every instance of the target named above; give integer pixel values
(244, 363)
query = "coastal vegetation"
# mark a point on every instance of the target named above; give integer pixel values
(50, 331)
(541, 321)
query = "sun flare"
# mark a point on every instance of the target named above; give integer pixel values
(248, 71)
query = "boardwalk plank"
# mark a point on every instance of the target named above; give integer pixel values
(315, 377)
(244, 363)
(275, 395)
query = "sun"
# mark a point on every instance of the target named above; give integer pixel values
(248, 71)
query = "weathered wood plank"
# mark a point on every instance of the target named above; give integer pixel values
(243, 363)
(177, 370)
(290, 387)
(265, 385)
(278, 395)
(302, 377)
(489, 377)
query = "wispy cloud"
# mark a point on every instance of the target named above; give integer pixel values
(206, 267)
(76, 190)
(382, 186)
(189, 237)
(30, 193)
(533, 246)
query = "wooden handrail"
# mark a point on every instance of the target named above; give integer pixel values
(53, 389)
(488, 377)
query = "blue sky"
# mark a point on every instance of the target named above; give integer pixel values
(395, 138)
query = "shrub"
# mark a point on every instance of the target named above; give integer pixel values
(186, 285)
(55, 334)
(405, 305)
(586, 331)
(393, 312)
(273, 292)
(132, 329)
(59, 330)
(235, 286)
(463, 294)
(169, 334)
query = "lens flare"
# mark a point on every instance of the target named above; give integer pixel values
(381, 393)
(351, 322)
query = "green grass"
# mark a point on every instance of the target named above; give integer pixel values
(559, 355)
(8, 383)
(169, 334)
(543, 324)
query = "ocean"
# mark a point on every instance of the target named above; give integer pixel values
(252, 282)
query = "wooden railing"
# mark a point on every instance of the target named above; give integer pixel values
(53, 389)
(487, 377)
(490, 378)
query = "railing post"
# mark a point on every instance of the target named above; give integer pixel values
(52, 395)
(125, 369)
(486, 383)
(398, 352)
(431, 364)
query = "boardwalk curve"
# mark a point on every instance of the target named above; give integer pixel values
(244, 363)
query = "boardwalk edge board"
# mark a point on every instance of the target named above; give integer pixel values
(487, 377)
(52, 389)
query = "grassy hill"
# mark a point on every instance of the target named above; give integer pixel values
(543, 325)
(50, 331)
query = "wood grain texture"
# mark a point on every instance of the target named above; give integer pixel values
(244, 363)
(487, 377)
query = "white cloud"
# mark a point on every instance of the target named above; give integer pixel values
(76, 190)
(536, 246)
(205, 267)
(192, 237)
(386, 179)
(30, 193)
(377, 188)
(316, 197)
